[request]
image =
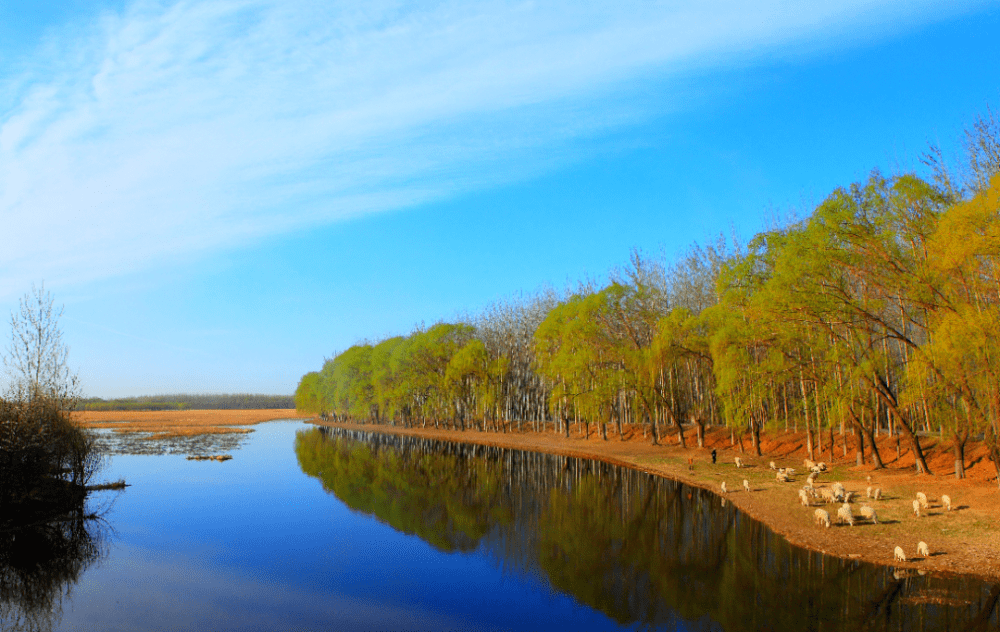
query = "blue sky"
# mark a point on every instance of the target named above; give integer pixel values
(223, 193)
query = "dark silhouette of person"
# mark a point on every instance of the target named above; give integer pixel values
(713, 457)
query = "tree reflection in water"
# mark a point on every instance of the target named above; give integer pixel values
(646, 551)
(39, 565)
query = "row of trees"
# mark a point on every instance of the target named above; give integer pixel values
(184, 401)
(876, 314)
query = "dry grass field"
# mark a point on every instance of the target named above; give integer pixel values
(162, 424)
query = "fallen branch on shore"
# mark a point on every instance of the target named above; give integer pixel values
(119, 484)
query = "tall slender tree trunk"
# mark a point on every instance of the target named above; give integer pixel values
(876, 455)
(860, 452)
(805, 412)
(904, 424)
(958, 444)
(699, 430)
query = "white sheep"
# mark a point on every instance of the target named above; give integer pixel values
(723, 486)
(822, 466)
(868, 492)
(821, 516)
(804, 497)
(922, 497)
(809, 482)
(916, 508)
(746, 485)
(808, 464)
(815, 469)
(899, 555)
(828, 495)
(946, 501)
(868, 512)
(922, 549)
(848, 496)
(844, 514)
(838, 492)
(773, 466)
(789, 470)
(877, 494)
(739, 462)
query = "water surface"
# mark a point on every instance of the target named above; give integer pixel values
(308, 529)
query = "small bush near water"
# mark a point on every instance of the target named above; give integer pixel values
(46, 460)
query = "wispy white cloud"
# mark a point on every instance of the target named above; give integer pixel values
(180, 127)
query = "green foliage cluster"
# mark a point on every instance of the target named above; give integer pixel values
(876, 313)
(239, 401)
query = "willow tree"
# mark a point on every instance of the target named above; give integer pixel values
(308, 397)
(960, 364)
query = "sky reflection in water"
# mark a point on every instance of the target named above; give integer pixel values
(256, 544)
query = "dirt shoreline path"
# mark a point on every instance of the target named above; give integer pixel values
(963, 541)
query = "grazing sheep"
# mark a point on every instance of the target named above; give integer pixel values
(828, 495)
(848, 496)
(869, 479)
(808, 464)
(922, 497)
(773, 466)
(838, 492)
(898, 555)
(946, 501)
(789, 470)
(781, 477)
(877, 494)
(916, 508)
(739, 462)
(723, 486)
(844, 515)
(804, 497)
(922, 549)
(821, 516)
(868, 512)
(868, 492)
(815, 470)
(809, 482)
(822, 466)
(746, 485)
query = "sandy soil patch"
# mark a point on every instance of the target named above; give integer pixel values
(965, 540)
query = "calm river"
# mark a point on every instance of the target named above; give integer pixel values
(312, 529)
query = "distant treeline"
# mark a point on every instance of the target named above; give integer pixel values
(240, 401)
(876, 313)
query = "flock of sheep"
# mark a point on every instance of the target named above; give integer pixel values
(836, 493)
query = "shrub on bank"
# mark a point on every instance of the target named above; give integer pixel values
(45, 459)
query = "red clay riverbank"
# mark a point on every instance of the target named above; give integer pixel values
(965, 540)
